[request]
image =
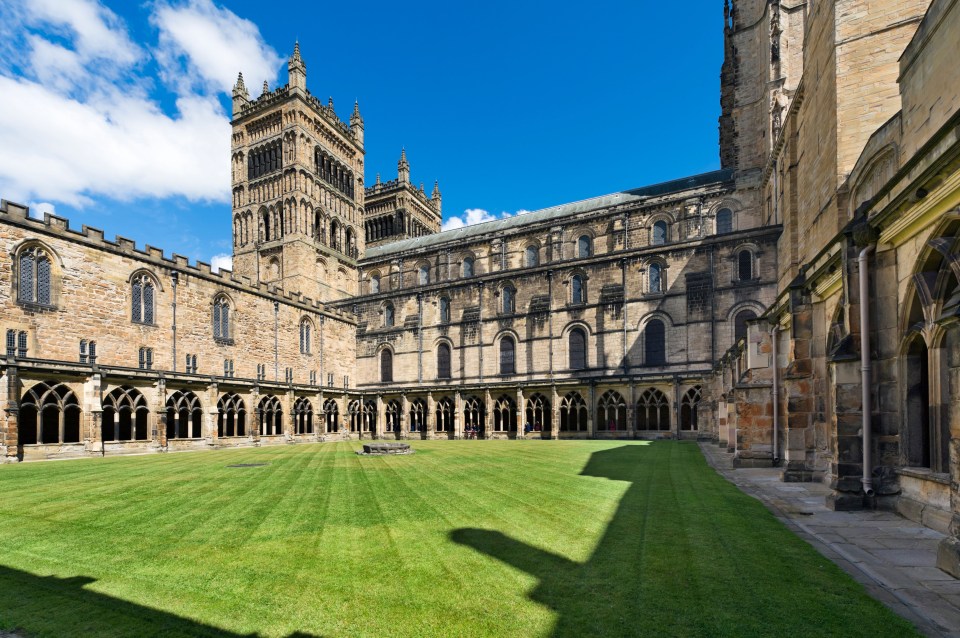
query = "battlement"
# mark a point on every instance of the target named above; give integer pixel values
(281, 94)
(56, 226)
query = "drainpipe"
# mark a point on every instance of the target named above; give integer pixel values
(774, 334)
(865, 380)
(175, 279)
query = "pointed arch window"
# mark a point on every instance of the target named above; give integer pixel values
(305, 337)
(231, 416)
(386, 366)
(374, 284)
(142, 299)
(34, 284)
(655, 350)
(653, 411)
(578, 349)
(505, 415)
(423, 275)
(573, 413)
(688, 409)
(49, 413)
(468, 267)
(611, 412)
(221, 318)
(184, 416)
(443, 418)
(302, 416)
(443, 361)
(508, 350)
(270, 412)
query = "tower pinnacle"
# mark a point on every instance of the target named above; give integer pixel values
(297, 70)
(403, 167)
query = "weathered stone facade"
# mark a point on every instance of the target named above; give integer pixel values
(729, 305)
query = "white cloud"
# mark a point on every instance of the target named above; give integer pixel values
(209, 45)
(220, 262)
(37, 209)
(473, 216)
(77, 122)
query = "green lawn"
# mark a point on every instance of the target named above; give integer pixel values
(464, 538)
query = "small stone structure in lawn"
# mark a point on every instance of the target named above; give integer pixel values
(377, 449)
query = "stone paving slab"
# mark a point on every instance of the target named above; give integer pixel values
(894, 558)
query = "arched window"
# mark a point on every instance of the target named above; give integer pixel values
(443, 417)
(474, 416)
(653, 411)
(423, 275)
(35, 284)
(578, 349)
(221, 318)
(418, 415)
(656, 279)
(576, 290)
(655, 349)
(584, 246)
(531, 257)
(443, 361)
(142, 295)
(305, 337)
(374, 284)
(724, 221)
(231, 416)
(505, 415)
(745, 265)
(184, 416)
(573, 413)
(302, 416)
(393, 412)
(444, 310)
(49, 413)
(688, 409)
(386, 366)
(508, 300)
(508, 355)
(740, 324)
(658, 234)
(363, 416)
(331, 415)
(539, 415)
(388, 316)
(125, 414)
(271, 416)
(611, 412)
(467, 267)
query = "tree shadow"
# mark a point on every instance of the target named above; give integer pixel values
(51, 606)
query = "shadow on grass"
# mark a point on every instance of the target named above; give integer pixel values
(593, 598)
(680, 558)
(50, 606)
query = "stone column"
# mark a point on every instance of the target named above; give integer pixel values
(631, 411)
(212, 414)
(253, 415)
(319, 423)
(429, 425)
(287, 403)
(381, 417)
(487, 421)
(457, 416)
(948, 553)
(554, 413)
(404, 418)
(592, 412)
(521, 415)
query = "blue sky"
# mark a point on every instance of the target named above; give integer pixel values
(115, 113)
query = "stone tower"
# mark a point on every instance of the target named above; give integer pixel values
(398, 210)
(297, 176)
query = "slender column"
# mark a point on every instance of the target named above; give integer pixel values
(554, 413)
(116, 424)
(486, 422)
(429, 419)
(381, 416)
(457, 416)
(521, 414)
(631, 412)
(404, 417)
(592, 412)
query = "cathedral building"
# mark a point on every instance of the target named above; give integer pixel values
(798, 306)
